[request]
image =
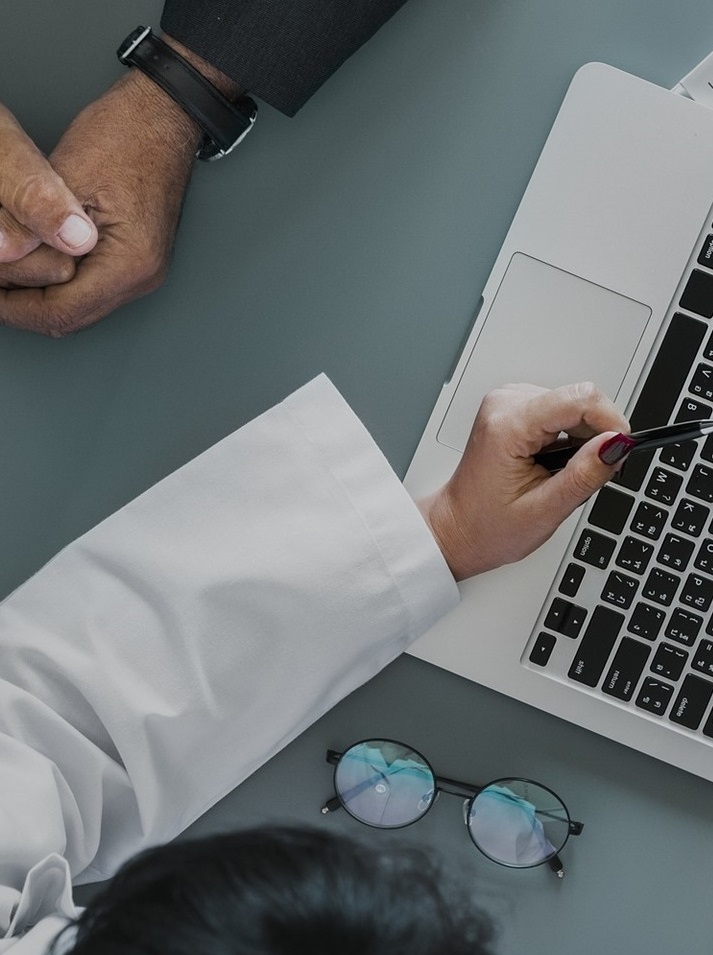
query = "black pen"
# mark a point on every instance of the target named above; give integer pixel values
(622, 444)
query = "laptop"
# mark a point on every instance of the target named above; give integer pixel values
(606, 274)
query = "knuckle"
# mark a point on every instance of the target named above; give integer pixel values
(62, 322)
(26, 274)
(18, 241)
(63, 270)
(587, 392)
(33, 196)
(489, 402)
(497, 402)
(154, 270)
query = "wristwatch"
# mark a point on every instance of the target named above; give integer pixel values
(223, 122)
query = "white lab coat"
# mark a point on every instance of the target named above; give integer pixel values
(163, 657)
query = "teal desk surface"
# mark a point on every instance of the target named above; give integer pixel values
(355, 239)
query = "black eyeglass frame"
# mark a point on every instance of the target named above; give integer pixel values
(454, 787)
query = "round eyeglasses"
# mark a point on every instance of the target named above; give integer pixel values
(515, 822)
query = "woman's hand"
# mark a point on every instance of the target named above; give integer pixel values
(500, 505)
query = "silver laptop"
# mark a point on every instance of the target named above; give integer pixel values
(606, 275)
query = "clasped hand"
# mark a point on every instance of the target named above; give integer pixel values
(92, 226)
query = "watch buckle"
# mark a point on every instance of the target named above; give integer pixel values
(224, 152)
(139, 38)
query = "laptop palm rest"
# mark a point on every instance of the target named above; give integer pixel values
(539, 330)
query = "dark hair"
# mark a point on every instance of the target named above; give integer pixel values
(280, 891)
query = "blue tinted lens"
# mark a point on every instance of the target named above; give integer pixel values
(518, 823)
(383, 783)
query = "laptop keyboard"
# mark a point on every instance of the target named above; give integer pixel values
(629, 616)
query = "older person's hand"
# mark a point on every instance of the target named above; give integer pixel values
(127, 159)
(92, 227)
(500, 505)
(42, 223)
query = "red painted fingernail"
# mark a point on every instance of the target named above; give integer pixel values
(616, 448)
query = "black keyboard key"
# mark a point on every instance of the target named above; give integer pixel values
(626, 668)
(678, 455)
(611, 510)
(649, 520)
(708, 350)
(669, 662)
(683, 627)
(704, 557)
(697, 592)
(703, 657)
(542, 649)
(660, 586)
(593, 548)
(646, 621)
(701, 384)
(634, 470)
(634, 555)
(663, 486)
(707, 448)
(571, 579)
(705, 256)
(595, 646)
(708, 726)
(668, 375)
(691, 702)
(654, 696)
(675, 552)
(565, 617)
(690, 517)
(620, 589)
(700, 483)
(698, 294)
(692, 410)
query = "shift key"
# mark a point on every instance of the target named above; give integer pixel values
(595, 646)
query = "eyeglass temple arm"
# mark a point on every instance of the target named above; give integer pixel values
(333, 757)
(331, 805)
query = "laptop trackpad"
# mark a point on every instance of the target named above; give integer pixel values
(550, 328)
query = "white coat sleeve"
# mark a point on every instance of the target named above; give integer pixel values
(163, 657)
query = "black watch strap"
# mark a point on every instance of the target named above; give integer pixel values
(224, 123)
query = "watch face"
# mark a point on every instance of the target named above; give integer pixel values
(132, 41)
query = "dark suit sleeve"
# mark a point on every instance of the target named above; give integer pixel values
(279, 50)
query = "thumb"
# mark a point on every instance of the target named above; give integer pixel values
(583, 476)
(37, 205)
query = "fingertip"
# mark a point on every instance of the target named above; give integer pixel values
(13, 248)
(614, 449)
